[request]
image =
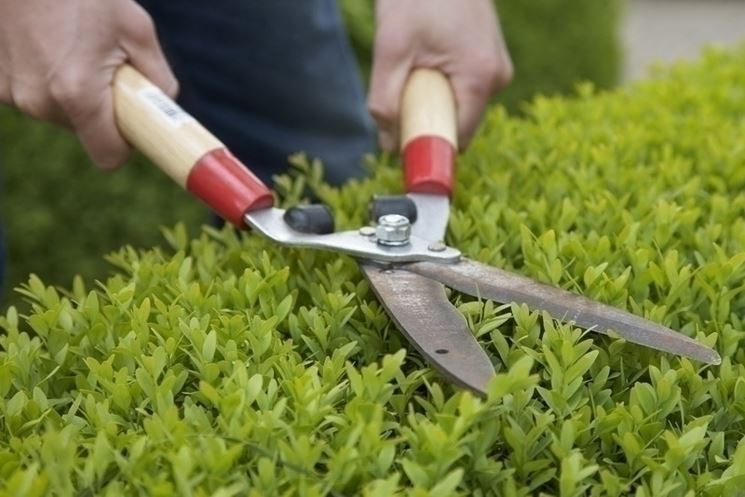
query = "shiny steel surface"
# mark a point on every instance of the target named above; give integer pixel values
(489, 282)
(433, 212)
(270, 223)
(421, 310)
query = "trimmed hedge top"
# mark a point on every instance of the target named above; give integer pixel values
(225, 365)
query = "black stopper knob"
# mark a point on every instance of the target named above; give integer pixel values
(382, 205)
(313, 218)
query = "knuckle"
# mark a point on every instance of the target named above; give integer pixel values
(68, 89)
(31, 103)
(23, 103)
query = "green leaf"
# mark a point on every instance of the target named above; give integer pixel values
(447, 485)
(209, 346)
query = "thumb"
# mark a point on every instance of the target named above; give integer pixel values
(98, 134)
(140, 42)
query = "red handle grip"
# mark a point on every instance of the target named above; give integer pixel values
(428, 133)
(429, 164)
(227, 186)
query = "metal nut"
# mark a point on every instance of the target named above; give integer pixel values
(393, 230)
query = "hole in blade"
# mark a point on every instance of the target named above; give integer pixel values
(441, 351)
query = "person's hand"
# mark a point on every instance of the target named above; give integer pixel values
(460, 38)
(58, 59)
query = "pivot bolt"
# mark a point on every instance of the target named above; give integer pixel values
(393, 230)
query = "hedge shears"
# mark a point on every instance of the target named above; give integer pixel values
(403, 255)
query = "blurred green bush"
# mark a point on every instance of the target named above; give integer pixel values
(553, 43)
(61, 213)
(225, 365)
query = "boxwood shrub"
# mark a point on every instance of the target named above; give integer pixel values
(223, 365)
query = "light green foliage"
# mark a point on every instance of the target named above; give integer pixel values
(553, 43)
(224, 365)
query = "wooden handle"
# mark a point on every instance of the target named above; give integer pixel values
(428, 132)
(180, 146)
(428, 107)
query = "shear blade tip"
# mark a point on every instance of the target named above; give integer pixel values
(479, 385)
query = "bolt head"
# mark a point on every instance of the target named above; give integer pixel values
(367, 231)
(394, 220)
(393, 230)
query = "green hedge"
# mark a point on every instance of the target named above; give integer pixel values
(225, 365)
(553, 43)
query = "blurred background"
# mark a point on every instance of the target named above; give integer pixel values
(667, 30)
(61, 215)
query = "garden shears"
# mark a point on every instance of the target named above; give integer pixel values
(403, 256)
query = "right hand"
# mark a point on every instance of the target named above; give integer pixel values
(58, 59)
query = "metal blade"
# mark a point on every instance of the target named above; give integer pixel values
(421, 310)
(433, 212)
(489, 282)
(270, 223)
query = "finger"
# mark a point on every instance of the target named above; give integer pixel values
(36, 102)
(86, 100)
(100, 136)
(471, 101)
(93, 121)
(143, 49)
(473, 88)
(391, 67)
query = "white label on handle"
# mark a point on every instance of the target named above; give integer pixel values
(164, 106)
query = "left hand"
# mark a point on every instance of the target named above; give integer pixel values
(460, 38)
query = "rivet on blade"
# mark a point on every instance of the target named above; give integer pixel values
(436, 246)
